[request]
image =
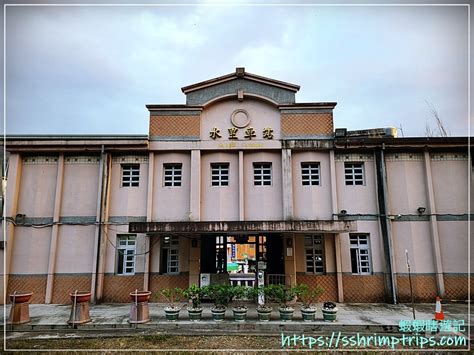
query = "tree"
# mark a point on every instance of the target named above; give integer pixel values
(439, 129)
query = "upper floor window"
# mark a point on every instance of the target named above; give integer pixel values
(130, 175)
(310, 174)
(360, 254)
(220, 174)
(262, 174)
(172, 174)
(314, 254)
(170, 255)
(126, 254)
(354, 173)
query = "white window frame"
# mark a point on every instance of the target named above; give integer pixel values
(310, 174)
(172, 174)
(126, 246)
(130, 175)
(313, 251)
(262, 174)
(360, 243)
(220, 174)
(170, 246)
(354, 173)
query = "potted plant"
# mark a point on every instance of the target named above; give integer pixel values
(283, 296)
(173, 297)
(239, 295)
(308, 297)
(261, 296)
(193, 294)
(220, 295)
(329, 311)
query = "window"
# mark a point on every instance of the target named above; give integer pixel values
(130, 175)
(220, 174)
(310, 174)
(125, 254)
(354, 173)
(173, 174)
(170, 255)
(313, 245)
(360, 254)
(262, 174)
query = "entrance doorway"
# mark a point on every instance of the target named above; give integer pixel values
(239, 258)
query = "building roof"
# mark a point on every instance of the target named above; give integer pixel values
(240, 73)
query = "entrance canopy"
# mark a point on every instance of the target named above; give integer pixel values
(316, 226)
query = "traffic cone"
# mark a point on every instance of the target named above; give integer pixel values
(439, 314)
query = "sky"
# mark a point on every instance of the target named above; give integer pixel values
(92, 70)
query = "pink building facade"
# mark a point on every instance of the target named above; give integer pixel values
(240, 166)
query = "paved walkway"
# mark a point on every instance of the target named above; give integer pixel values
(351, 317)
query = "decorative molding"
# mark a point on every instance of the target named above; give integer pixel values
(354, 157)
(43, 160)
(404, 157)
(120, 159)
(82, 159)
(448, 156)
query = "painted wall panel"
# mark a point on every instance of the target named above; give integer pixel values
(31, 251)
(263, 202)
(80, 186)
(220, 202)
(450, 179)
(38, 186)
(453, 240)
(313, 201)
(75, 249)
(128, 201)
(165, 197)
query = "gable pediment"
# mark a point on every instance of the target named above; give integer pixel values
(278, 92)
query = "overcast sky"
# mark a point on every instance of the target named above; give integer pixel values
(92, 70)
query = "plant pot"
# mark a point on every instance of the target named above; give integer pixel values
(140, 296)
(195, 314)
(218, 313)
(329, 314)
(286, 313)
(20, 297)
(309, 314)
(80, 296)
(264, 314)
(172, 313)
(240, 314)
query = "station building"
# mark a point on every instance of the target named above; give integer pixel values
(239, 180)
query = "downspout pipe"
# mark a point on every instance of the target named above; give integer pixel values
(382, 196)
(103, 162)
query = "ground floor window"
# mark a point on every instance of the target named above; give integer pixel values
(170, 255)
(126, 254)
(360, 254)
(314, 254)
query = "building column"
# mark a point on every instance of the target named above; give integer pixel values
(289, 259)
(55, 230)
(385, 226)
(287, 184)
(337, 236)
(195, 193)
(241, 186)
(11, 207)
(149, 213)
(194, 258)
(102, 218)
(434, 225)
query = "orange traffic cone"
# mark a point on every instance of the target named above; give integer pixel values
(439, 314)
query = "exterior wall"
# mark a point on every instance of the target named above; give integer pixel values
(304, 124)
(79, 195)
(168, 126)
(263, 202)
(38, 184)
(128, 201)
(311, 202)
(261, 115)
(220, 203)
(165, 196)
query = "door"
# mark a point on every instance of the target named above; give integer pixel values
(274, 251)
